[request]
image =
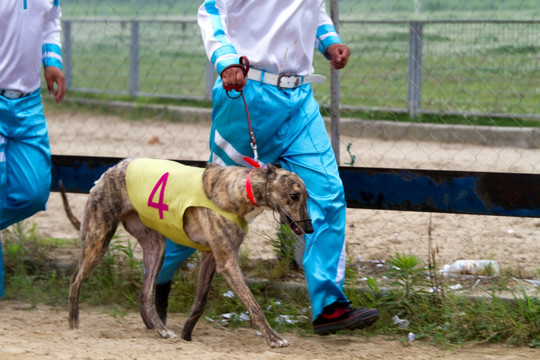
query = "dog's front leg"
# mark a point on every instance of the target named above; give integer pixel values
(232, 273)
(207, 269)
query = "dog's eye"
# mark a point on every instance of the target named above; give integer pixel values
(294, 196)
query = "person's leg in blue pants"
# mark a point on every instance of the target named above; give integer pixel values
(175, 255)
(25, 160)
(288, 128)
(1, 271)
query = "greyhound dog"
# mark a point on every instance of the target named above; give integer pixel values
(235, 194)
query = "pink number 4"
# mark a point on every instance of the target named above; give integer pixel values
(160, 205)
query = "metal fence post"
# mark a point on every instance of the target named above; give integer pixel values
(414, 88)
(334, 88)
(134, 59)
(66, 55)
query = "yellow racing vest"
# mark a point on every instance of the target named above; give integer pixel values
(162, 190)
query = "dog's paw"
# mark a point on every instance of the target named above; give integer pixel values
(279, 343)
(167, 334)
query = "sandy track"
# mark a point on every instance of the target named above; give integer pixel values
(42, 332)
(28, 333)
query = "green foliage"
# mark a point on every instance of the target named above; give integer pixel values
(283, 245)
(119, 276)
(527, 312)
(27, 265)
(408, 296)
(463, 320)
(447, 320)
(408, 273)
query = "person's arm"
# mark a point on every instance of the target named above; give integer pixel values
(52, 53)
(329, 42)
(212, 19)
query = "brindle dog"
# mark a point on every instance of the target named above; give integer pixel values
(108, 205)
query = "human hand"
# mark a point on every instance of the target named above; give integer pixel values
(338, 55)
(233, 78)
(54, 75)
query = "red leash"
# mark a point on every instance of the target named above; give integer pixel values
(244, 66)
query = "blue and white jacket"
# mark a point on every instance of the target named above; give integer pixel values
(30, 37)
(277, 36)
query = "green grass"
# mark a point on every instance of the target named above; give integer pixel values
(481, 68)
(382, 9)
(440, 317)
(496, 77)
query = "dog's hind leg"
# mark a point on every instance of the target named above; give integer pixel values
(94, 245)
(207, 270)
(153, 246)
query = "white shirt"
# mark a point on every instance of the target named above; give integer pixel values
(278, 36)
(30, 36)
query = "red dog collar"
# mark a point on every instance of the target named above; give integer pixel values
(249, 189)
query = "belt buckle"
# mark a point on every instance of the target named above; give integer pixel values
(296, 83)
(12, 94)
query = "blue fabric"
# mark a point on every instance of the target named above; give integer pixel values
(324, 39)
(175, 255)
(1, 271)
(25, 159)
(219, 33)
(51, 49)
(288, 128)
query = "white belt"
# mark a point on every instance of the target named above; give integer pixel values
(284, 81)
(13, 94)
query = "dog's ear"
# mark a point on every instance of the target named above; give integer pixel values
(271, 172)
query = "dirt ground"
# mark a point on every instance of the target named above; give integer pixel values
(371, 234)
(42, 332)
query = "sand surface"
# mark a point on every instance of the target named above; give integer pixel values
(42, 332)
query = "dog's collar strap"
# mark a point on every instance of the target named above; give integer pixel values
(249, 189)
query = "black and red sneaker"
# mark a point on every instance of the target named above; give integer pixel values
(342, 317)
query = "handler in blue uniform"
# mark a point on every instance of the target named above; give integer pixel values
(279, 38)
(30, 37)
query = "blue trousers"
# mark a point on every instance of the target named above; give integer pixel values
(289, 129)
(25, 162)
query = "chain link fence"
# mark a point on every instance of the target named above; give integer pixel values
(449, 60)
(483, 68)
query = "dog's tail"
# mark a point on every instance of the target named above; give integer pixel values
(76, 223)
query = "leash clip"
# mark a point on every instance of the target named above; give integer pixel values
(254, 147)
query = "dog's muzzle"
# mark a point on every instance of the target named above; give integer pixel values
(298, 229)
